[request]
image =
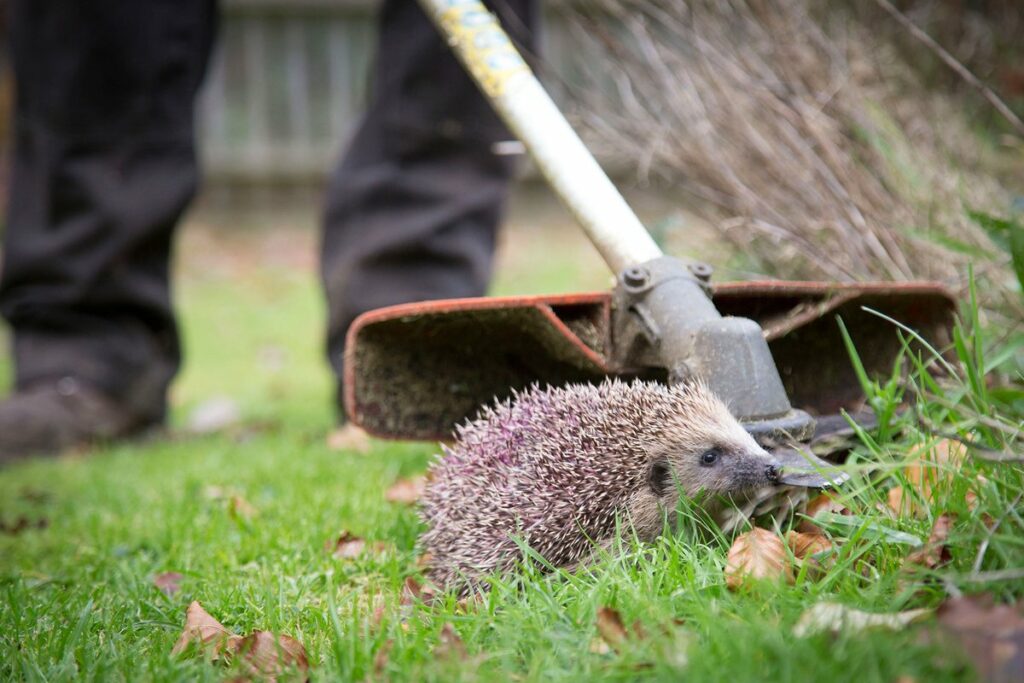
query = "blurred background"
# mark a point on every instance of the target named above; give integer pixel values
(772, 138)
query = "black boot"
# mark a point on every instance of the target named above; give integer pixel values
(51, 417)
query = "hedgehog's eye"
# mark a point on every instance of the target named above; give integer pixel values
(709, 457)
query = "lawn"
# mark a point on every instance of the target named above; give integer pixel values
(245, 516)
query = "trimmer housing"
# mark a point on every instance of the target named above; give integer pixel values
(663, 317)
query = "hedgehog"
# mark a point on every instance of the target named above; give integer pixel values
(562, 468)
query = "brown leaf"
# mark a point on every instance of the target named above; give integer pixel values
(901, 503)
(168, 582)
(806, 549)
(262, 653)
(406, 491)
(414, 591)
(931, 469)
(425, 560)
(267, 656)
(203, 629)
(756, 554)
(241, 509)
(935, 466)
(349, 437)
(934, 553)
(611, 628)
(450, 646)
(820, 505)
(991, 635)
(348, 546)
(804, 545)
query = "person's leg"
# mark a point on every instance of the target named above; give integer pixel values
(103, 166)
(413, 209)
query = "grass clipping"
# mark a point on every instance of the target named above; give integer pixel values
(799, 132)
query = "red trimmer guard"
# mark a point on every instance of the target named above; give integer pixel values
(414, 371)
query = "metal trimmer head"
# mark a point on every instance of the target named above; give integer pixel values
(414, 371)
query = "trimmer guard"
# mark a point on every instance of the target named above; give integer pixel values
(416, 370)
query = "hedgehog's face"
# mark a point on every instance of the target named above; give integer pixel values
(717, 464)
(711, 452)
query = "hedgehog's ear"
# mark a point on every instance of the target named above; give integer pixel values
(660, 477)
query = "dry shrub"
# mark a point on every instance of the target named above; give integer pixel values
(803, 136)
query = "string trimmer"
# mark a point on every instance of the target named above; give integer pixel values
(770, 349)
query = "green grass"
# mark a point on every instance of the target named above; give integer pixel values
(77, 598)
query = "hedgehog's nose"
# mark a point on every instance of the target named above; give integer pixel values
(773, 472)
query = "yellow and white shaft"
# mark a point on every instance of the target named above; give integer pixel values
(501, 72)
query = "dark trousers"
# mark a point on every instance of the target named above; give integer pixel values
(104, 165)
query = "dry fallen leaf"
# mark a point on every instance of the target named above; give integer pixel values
(899, 502)
(348, 546)
(241, 509)
(670, 642)
(611, 628)
(756, 554)
(414, 591)
(406, 491)
(349, 437)
(835, 618)
(931, 469)
(811, 549)
(822, 504)
(934, 553)
(267, 656)
(991, 635)
(804, 545)
(262, 653)
(206, 631)
(935, 466)
(168, 582)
